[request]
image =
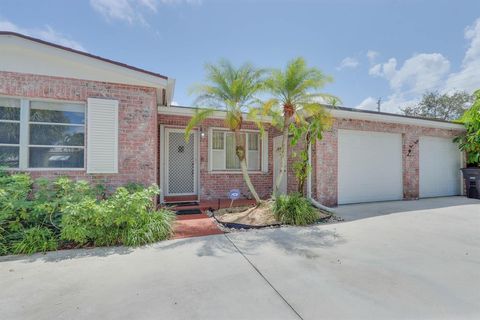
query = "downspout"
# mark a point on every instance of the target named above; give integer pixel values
(314, 202)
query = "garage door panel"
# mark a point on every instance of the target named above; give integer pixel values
(440, 165)
(369, 166)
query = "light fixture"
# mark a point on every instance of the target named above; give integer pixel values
(202, 133)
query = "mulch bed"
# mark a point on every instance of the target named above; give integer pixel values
(243, 218)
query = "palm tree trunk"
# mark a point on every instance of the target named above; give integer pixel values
(246, 178)
(287, 114)
(305, 164)
(240, 151)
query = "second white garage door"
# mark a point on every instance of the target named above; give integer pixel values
(439, 167)
(369, 166)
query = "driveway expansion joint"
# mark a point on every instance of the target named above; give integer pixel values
(264, 278)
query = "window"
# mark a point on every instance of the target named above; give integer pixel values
(9, 133)
(253, 151)
(38, 134)
(57, 135)
(223, 151)
(232, 162)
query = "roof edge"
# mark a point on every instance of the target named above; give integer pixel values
(340, 112)
(391, 114)
(86, 54)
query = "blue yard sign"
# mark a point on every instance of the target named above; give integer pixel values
(233, 194)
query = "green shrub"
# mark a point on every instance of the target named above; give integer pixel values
(35, 239)
(3, 242)
(39, 215)
(294, 209)
(134, 186)
(469, 141)
(126, 218)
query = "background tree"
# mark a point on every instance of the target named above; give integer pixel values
(294, 91)
(234, 91)
(470, 140)
(440, 106)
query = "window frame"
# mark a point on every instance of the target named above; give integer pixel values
(24, 145)
(15, 145)
(224, 170)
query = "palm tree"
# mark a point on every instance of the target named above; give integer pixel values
(308, 130)
(234, 91)
(295, 91)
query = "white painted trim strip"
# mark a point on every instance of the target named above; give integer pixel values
(188, 112)
(24, 134)
(336, 113)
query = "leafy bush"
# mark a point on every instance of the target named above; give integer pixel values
(294, 209)
(470, 140)
(127, 218)
(40, 215)
(35, 239)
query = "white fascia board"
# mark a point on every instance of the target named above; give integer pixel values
(25, 56)
(170, 91)
(188, 112)
(336, 113)
(345, 114)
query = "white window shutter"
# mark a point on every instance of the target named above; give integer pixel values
(265, 152)
(210, 153)
(102, 136)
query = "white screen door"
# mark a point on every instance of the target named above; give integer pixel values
(180, 163)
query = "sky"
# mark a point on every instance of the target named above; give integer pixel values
(393, 50)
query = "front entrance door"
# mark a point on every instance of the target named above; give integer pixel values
(277, 165)
(180, 163)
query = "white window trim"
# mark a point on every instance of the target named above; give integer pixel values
(14, 145)
(263, 143)
(24, 144)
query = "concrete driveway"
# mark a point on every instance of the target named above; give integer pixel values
(418, 264)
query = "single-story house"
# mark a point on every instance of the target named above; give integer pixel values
(69, 113)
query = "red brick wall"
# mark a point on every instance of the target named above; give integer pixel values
(326, 169)
(293, 155)
(137, 122)
(216, 185)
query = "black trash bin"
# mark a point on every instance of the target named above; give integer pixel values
(471, 176)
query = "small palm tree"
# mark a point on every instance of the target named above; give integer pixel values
(234, 91)
(295, 91)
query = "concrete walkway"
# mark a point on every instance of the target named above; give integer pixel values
(410, 265)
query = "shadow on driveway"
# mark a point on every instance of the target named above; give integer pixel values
(292, 240)
(300, 241)
(69, 254)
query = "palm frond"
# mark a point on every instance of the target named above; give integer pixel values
(228, 87)
(233, 120)
(199, 116)
(298, 84)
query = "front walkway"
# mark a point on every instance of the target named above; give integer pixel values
(195, 225)
(418, 264)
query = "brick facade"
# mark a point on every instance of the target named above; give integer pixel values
(326, 165)
(137, 144)
(216, 185)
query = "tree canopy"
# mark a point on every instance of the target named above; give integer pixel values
(442, 106)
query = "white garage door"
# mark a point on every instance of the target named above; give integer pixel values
(439, 167)
(369, 166)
